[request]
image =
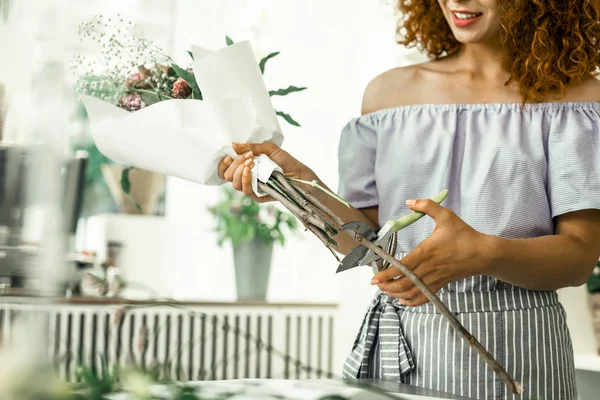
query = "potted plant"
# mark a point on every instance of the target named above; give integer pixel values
(103, 186)
(593, 286)
(252, 229)
(135, 80)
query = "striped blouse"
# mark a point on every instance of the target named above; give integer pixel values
(509, 170)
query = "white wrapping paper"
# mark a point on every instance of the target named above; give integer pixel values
(188, 138)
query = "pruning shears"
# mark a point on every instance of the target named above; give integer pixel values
(384, 238)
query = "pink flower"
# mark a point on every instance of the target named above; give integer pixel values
(132, 102)
(181, 89)
(133, 80)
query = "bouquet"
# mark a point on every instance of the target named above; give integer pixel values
(128, 73)
(180, 112)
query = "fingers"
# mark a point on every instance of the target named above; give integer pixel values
(267, 148)
(223, 165)
(400, 285)
(386, 275)
(247, 182)
(239, 172)
(417, 301)
(411, 261)
(410, 294)
(230, 171)
(248, 150)
(247, 187)
(428, 207)
(420, 254)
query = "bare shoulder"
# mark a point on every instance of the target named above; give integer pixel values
(587, 90)
(392, 88)
(413, 84)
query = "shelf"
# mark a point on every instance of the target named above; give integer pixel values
(587, 362)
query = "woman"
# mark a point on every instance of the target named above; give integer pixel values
(507, 117)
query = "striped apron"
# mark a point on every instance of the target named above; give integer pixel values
(525, 331)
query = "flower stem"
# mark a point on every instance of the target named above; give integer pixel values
(316, 184)
(295, 199)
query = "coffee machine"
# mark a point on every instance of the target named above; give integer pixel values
(19, 199)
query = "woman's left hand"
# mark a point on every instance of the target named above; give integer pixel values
(452, 252)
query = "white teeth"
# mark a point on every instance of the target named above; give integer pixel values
(466, 16)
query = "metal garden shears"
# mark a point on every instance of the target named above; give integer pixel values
(384, 238)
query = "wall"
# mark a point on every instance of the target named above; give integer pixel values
(332, 48)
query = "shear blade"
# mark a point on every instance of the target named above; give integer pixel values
(352, 259)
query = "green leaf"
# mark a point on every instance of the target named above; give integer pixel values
(189, 78)
(228, 40)
(125, 182)
(150, 98)
(126, 186)
(263, 62)
(191, 55)
(237, 220)
(186, 393)
(286, 91)
(104, 367)
(593, 283)
(288, 118)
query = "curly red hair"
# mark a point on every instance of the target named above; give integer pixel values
(548, 44)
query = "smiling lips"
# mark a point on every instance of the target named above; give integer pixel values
(464, 18)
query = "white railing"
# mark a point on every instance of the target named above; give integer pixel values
(194, 341)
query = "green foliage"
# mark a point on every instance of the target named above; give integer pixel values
(150, 98)
(93, 173)
(132, 90)
(185, 393)
(287, 118)
(593, 284)
(126, 186)
(125, 182)
(263, 62)
(93, 385)
(97, 197)
(286, 91)
(240, 219)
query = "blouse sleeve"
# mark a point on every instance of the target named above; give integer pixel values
(574, 163)
(356, 155)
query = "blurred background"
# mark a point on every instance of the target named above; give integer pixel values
(191, 243)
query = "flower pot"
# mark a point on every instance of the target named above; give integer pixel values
(252, 261)
(146, 189)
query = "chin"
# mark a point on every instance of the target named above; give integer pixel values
(469, 38)
(476, 36)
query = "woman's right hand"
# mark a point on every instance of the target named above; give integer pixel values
(238, 171)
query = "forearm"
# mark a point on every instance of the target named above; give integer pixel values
(347, 214)
(542, 263)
